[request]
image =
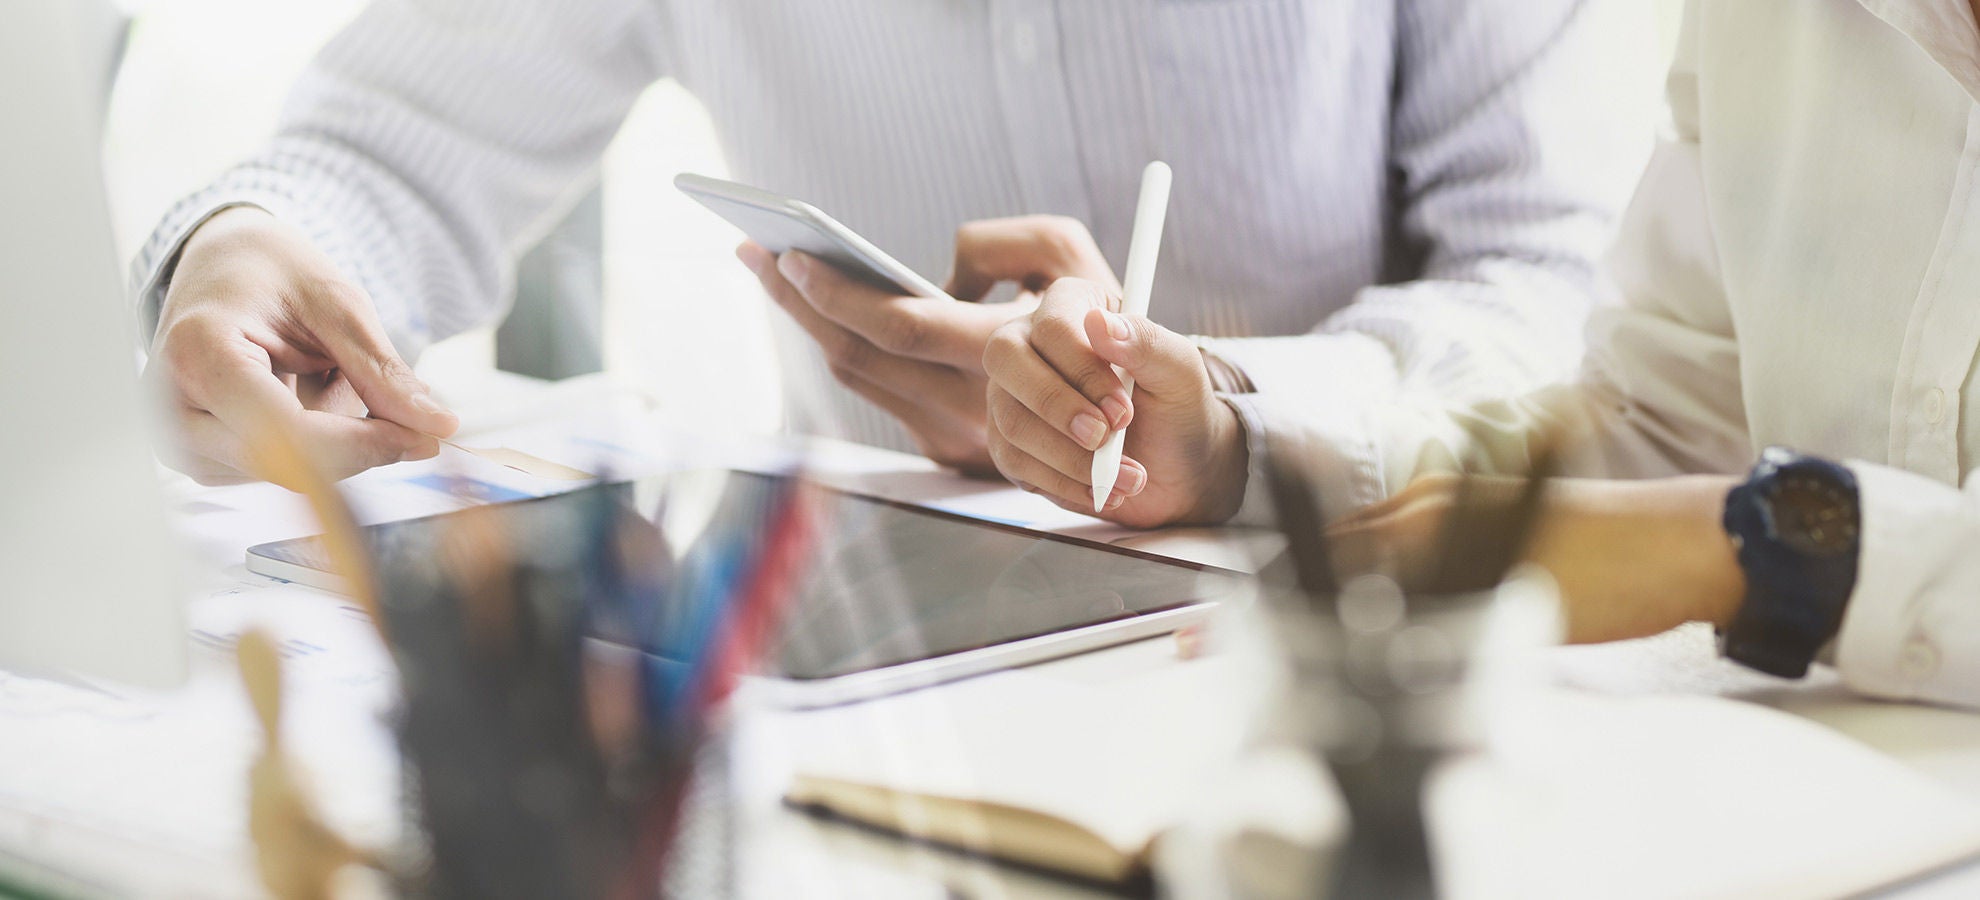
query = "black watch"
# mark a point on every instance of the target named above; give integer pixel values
(1797, 524)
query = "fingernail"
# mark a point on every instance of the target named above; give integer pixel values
(1132, 481)
(426, 404)
(1116, 410)
(1117, 327)
(1089, 431)
(795, 268)
(1114, 502)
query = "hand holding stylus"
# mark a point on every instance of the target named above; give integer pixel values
(1066, 381)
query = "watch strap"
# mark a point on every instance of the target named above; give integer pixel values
(1762, 637)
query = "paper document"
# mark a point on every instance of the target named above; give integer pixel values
(1686, 796)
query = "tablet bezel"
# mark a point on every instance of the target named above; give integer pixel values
(952, 665)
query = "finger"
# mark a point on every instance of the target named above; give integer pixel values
(342, 319)
(1016, 368)
(343, 446)
(1085, 507)
(1162, 362)
(940, 437)
(179, 450)
(1116, 501)
(917, 387)
(1084, 504)
(1036, 438)
(229, 377)
(220, 371)
(1059, 337)
(335, 395)
(220, 480)
(922, 328)
(328, 392)
(212, 453)
(198, 446)
(207, 473)
(1033, 251)
(1039, 478)
(206, 446)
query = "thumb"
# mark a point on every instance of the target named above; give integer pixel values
(1163, 363)
(1032, 251)
(348, 329)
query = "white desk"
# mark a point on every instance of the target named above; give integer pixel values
(176, 763)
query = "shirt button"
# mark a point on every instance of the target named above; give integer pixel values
(1935, 406)
(1919, 660)
(1024, 42)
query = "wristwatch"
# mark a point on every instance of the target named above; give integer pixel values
(1797, 525)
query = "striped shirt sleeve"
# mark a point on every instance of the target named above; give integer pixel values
(1511, 171)
(429, 143)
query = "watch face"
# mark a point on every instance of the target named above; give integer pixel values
(1813, 515)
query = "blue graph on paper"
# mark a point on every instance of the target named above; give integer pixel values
(471, 488)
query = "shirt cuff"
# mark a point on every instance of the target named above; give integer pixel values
(152, 271)
(1311, 396)
(1909, 630)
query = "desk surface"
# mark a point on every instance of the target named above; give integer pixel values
(180, 758)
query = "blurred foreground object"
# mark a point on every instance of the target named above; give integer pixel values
(1378, 691)
(297, 855)
(91, 584)
(560, 672)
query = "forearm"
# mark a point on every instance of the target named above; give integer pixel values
(429, 143)
(1633, 559)
(379, 236)
(1363, 445)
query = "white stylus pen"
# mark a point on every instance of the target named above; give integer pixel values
(1143, 248)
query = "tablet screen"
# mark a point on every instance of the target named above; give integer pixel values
(885, 584)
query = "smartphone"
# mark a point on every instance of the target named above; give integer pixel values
(782, 224)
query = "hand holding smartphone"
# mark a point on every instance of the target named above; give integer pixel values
(782, 224)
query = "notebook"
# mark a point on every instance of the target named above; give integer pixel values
(1075, 767)
(1687, 796)
(1574, 792)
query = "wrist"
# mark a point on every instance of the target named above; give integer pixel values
(1227, 466)
(210, 236)
(1722, 585)
(228, 236)
(1719, 583)
(226, 224)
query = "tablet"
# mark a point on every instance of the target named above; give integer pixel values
(782, 224)
(894, 597)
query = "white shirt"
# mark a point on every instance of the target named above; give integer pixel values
(1421, 190)
(1801, 267)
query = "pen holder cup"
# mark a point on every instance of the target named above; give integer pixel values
(1373, 688)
